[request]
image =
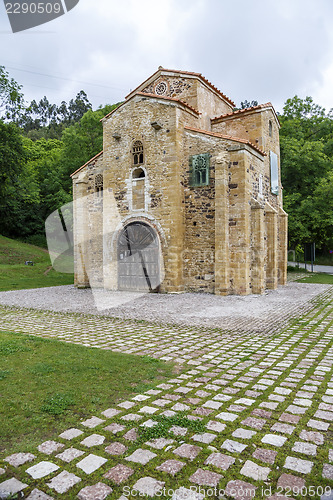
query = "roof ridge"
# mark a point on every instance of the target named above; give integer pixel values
(225, 136)
(244, 110)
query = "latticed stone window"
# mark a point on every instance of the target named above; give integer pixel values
(199, 170)
(137, 153)
(99, 185)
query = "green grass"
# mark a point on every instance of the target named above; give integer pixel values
(15, 275)
(47, 386)
(320, 278)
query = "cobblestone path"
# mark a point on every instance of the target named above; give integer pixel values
(249, 417)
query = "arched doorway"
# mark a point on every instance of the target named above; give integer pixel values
(138, 258)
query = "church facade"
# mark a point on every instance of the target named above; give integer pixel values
(185, 196)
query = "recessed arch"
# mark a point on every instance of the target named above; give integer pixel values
(138, 256)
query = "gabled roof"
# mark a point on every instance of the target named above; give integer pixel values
(86, 164)
(154, 96)
(246, 111)
(228, 137)
(185, 73)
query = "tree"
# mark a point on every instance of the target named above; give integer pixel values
(11, 97)
(307, 171)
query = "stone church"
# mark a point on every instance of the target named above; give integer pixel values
(185, 196)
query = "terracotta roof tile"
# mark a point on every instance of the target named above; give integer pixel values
(89, 161)
(229, 137)
(234, 114)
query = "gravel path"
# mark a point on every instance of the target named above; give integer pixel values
(241, 313)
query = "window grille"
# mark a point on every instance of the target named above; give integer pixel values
(199, 170)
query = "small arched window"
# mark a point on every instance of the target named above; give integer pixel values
(270, 129)
(137, 152)
(138, 173)
(99, 185)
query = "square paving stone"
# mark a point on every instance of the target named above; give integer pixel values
(70, 434)
(227, 417)
(220, 461)
(49, 447)
(296, 410)
(18, 459)
(150, 410)
(141, 456)
(171, 466)
(328, 471)
(189, 451)
(91, 463)
(11, 487)
(305, 448)
(283, 428)
(255, 423)
(243, 434)
(126, 405)
(132, 417)
(63, 482)
(274, 440)
(98, 491)
(240, 490)
(42, 469)
(325, 415)
(70, 454)
(131, 435)
(159, 443)
(116, 449)
(298, 465)
(203, 411)
(237, 408)
(315, 437)
(254, 471)
(178, 431)
(93, 440)
(290, 419)
(215, 405)
(37, 494)
(180, 407)
(92, 422)
(205, 478)
(119, 473)
(233, 446)
(186, 494)
(264, 455)
(245, 401)
(114, 428)
(161, 402)
(205, 437)
(110, 412)
(259, 412)
(141, 397)
(317, 424)
(215, 426)
(290, 481)
(148, 486)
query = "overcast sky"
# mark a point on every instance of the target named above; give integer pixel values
(264, 50)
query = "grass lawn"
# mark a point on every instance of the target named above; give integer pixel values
(47, 386)
(321, 278)
(15, 275)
